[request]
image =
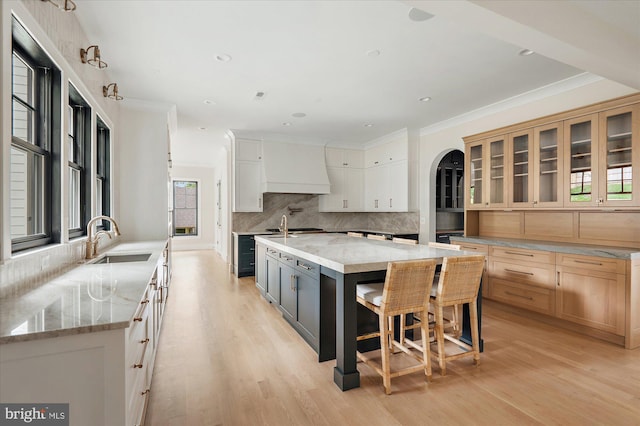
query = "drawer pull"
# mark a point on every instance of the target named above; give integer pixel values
(587, 262)
(519, 272)
(518, 295)
(307, 267)
(144, 340)
(519, 254)
(145, 392)
(288, 259)
(137, 365)
(468, 248)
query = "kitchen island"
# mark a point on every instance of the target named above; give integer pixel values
(338, 262)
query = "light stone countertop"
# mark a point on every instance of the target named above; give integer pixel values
(568, 248)
(350, 254)
(87, 298)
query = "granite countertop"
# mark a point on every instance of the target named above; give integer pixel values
(350, 255)
(568, 248)
(88, 298)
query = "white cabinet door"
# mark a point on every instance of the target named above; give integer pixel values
(354, 189)
(248, 150)
(335, 201)
(248, 195)
(374, 188)
(397, 186)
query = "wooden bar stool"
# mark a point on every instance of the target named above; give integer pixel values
(376, 237)
(355, 234)
(458, 285)
(404, 241)
(404, 290)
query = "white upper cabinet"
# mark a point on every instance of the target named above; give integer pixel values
(387, 177)
(346, 176)
(247, 185)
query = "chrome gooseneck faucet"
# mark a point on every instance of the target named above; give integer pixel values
(283, 225)
(92, 239)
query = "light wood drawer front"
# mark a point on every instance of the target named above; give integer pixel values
(517, 254)
(529, 297)
(480, 248)
(540, 275)
(601, 264)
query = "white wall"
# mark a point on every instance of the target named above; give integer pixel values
(206, 178)
(141, 173)
(437, 140)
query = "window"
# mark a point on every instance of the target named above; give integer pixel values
(79, 159)
(35, 127)
(103, 178)
(185, 207)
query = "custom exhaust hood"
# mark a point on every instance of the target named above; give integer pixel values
(294, 168)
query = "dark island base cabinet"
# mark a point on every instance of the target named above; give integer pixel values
(295, 286)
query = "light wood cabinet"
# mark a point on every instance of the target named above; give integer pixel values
(619, 153)
(524, 278)
(548, 165)
(580, 159)
(520, 168)
(486, 186)
(590, 292)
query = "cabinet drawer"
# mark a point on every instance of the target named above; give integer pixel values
(537, 274)
(287, 259)
(272, 252)
(307, 267)
(523, 254)
(522, 295)
(480, 248)
(600, 264)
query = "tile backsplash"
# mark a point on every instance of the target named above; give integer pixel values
(275, 205)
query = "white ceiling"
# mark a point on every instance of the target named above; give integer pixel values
(313, 57)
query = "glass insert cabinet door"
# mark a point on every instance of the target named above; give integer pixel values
(521, 168)
(548, 144)
(497, 172)
(581, 160)
(619, 153)
(475, 166)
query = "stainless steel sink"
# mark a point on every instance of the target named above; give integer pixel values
(123, 258)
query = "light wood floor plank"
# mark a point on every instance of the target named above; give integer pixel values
(227, 357)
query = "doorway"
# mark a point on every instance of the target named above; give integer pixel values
(450, 196)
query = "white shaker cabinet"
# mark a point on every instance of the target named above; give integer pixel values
(247, 190)
(387, 177)
(346, 176)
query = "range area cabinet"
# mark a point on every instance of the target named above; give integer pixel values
(247, 175)
(584, 158)
(244, 256)
(345, 168)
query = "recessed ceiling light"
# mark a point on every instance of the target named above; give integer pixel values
(298, 114)
(525, 52)
(208, 102)
(223, 57)
(368, 125)
(286, 123)
(419, 15)
(373, 53)
(425, 99)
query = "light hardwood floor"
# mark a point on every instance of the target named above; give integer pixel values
(226, 357)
